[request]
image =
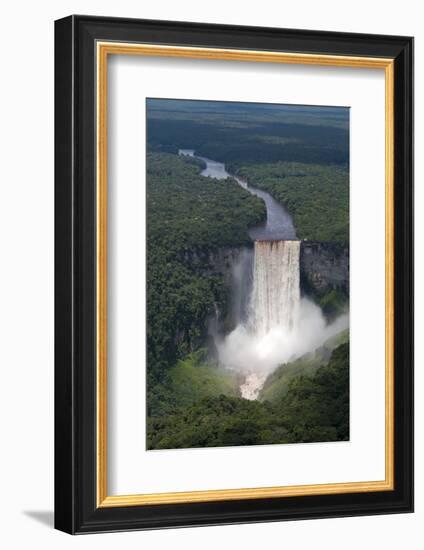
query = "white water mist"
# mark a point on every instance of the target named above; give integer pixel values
(280, 326)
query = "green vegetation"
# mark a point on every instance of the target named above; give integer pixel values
(190, 380)
(277, 384)
(246, 115)
(316, 196)
(187, 212)
(333, 304)
(250, 133)
(301, 156)
(314, 408)
(319, 405)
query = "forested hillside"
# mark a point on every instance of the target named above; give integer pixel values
(186, 211)
(316, 196)
(250, 133)
(314, 408)
(299, 155)
(278, 382)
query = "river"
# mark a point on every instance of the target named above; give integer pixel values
(278, 225)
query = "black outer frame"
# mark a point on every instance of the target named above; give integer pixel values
(75, 275)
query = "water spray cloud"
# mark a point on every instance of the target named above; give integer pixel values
(247, 351)
(280, 326)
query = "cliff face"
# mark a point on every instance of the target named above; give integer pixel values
(233, 265)
(215, 261)
(324, 267)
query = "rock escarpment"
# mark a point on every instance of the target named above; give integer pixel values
(324, 266)
(324, 277)
(233, 266)
(208, 261)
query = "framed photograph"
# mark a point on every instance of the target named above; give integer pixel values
(233, 274)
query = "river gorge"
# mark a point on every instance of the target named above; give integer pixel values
(272, 323)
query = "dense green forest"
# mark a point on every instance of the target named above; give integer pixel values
(245, 114)
(333, 303)
(186, 211)
(316, 196)
(300, 156)
(278, 382)
(313, 408)
(250, 133)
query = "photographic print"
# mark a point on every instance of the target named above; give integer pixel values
(247, 274)
(212, 184)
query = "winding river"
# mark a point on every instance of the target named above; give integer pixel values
(278, 225)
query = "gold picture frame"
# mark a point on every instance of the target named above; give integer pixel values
(106, 49)
(83, 46)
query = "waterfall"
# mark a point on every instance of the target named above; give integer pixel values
(279, 326)
(276, 291)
